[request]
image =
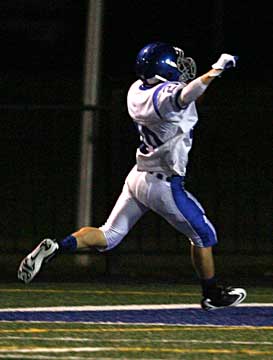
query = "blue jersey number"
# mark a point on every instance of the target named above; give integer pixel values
(148, 137)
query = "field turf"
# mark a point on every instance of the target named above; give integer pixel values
(106, 321)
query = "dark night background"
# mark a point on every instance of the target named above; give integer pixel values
(41, 64)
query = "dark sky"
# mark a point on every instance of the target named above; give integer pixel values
(41, 62)
(203, 29)
(49, 35)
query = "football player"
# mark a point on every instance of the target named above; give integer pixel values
(162, 104)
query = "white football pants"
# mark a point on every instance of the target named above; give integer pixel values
(144, 191)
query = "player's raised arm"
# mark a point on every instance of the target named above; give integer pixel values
(196, 88)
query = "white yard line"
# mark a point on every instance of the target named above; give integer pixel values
(122, 324)
(144, 324)
(193, 341)
(121, 307)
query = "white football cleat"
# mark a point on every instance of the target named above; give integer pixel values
(32, 263)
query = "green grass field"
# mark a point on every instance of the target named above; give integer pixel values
(81, 340)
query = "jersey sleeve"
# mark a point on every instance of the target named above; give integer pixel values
(165, 98)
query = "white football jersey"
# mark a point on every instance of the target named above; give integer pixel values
(165, 128)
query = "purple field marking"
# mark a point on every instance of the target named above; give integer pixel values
(233, 316)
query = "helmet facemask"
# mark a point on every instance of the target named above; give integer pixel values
(185, 65)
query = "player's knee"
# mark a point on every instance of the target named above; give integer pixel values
(209, 238)
(112, 236)
(204, 239)
(210, 241)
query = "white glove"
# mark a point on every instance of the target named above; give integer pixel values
(225, 61)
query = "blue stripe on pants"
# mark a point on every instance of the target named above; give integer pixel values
(193, 213)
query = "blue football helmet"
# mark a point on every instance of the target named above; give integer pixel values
(162, 62)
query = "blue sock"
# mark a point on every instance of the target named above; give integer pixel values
(69, 244)
(208, 285)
